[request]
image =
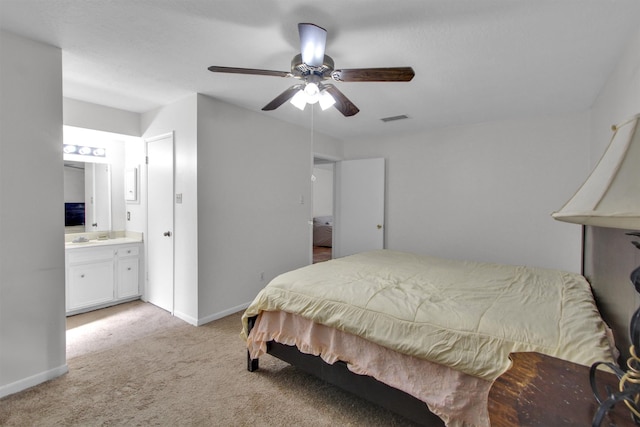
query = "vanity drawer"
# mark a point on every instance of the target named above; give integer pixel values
(76, 256)
(127, 251)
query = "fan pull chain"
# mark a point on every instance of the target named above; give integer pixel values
(312, 118)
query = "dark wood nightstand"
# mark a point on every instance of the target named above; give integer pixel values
(541, 390)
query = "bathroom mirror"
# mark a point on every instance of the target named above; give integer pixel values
(94, 171)
(87, 196)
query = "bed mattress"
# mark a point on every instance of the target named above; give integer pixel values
(464, 315)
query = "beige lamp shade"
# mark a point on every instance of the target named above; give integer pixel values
(610, 197)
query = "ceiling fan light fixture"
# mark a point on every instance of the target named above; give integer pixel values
(312, 93)
(299, 100)
(326, 100)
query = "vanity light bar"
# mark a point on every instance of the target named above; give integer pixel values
(84, 150)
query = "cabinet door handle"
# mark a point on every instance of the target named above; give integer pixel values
(167, 234)
(82, 276)
(129, 268)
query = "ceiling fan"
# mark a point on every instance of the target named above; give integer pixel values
(313, 67)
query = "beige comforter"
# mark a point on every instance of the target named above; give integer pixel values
(465, 315)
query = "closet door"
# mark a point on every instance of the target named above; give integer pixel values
(160, 222)
(359, 206)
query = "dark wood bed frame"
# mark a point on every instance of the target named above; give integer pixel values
(361, 385)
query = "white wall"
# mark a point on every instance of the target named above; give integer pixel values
(32, 306)
(324, 147)
(485, 192)
(252, 173)
(98, 117)
(609, 255)
(181, 117)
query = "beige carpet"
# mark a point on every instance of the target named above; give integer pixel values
(135, 364)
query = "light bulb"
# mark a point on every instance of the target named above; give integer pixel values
(326, 100)
(299, 100)
(312, 92)
(69, 149)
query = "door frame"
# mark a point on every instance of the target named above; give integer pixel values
(170, 134)
(333, 160)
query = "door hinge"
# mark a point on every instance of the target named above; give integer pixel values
(146, 160)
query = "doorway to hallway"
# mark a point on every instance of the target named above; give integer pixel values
(323, 171)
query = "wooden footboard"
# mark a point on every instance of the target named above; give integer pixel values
(361, 385)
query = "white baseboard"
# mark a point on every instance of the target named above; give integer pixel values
(222, 314)
(189, 319)
(33, 380)
(199, 322)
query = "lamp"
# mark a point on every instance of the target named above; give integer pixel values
(312, 93)
(610, 197)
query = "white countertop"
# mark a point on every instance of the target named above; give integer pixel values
(107, 242)
(93, 239)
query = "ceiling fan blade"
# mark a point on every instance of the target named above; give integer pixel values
(393, 74)
(312, 44)
(343, 104)
(234, 70)
(282, 98)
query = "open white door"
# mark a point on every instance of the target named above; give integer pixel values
(159, 238)
(97, 196)
(359, 206)
(101, 197)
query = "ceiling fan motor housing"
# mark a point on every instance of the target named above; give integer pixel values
(310, 73)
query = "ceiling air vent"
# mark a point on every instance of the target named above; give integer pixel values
(394, 118)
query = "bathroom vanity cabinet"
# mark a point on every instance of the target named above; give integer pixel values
(102, 274)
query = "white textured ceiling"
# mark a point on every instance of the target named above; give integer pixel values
(475, 60)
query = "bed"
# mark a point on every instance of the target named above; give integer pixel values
(424, 336)
(322, 231)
